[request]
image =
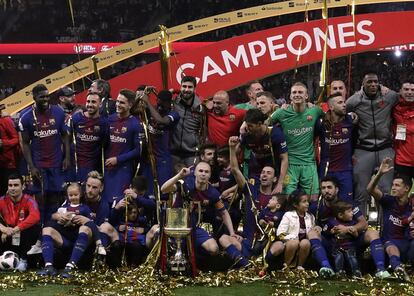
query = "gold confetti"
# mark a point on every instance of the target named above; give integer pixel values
(147, 281)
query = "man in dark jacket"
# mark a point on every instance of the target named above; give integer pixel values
(374, 134)
(189, 131)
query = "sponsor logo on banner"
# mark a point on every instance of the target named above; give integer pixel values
(239, 14)
(140, 42)
(17, 102)
(106, 47)
(84, 48)
(105, 58)
(291, 4)
(192, 27)
(58, 78)
(250, 13)
(272, 7)
(54, 79)
(123, 51)
(175, 32)
(222, 20)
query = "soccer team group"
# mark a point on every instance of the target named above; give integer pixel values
(298, 174)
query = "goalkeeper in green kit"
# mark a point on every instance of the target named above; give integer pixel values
(298, 124)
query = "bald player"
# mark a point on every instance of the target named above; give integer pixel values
(223, 120)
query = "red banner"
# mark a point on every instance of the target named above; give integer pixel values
(81, 48)
(232, 62)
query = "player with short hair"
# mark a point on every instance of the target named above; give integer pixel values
(43, 133)
(395, 208)
(19, 220)
(123, 147)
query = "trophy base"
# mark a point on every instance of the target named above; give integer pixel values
(179, 266)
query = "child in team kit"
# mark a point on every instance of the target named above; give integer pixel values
(73, 207)
(344, 249)
(272, 214)
(293, 230)
(66, 230)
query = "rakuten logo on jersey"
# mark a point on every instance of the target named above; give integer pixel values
(46, 133)
(117, 139)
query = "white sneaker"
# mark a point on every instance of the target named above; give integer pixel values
(35, 249)
(100, 249)
(22, 265)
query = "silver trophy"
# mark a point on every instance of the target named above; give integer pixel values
(177, 229)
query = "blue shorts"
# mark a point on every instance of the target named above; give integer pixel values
(328, 243)
(52, 180)
(116, 181)
(345, 185)
(68, 232)
(246, 250)
(164, 173)
(70, 175)
(201, 236)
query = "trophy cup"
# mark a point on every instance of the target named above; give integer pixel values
(178, 228)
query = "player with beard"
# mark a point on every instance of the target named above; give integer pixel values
(395, 208)
(88, 133)
(335, 136)
(66, 101)
(321, 239)
(190, 129)
(44, 133)
(240, 248)
(374, 110)
(103, 89)
(268, 146)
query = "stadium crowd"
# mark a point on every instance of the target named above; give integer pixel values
(295, 174)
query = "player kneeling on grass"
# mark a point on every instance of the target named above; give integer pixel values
(395, 208)
(19, 220)
(71, 227)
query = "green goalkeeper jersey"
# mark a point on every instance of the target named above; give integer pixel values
(299, 130)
